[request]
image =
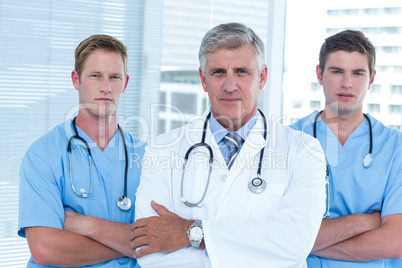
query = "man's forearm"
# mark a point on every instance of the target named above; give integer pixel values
(353, 249)
(50, 246)
(114, 235)
(383, 242)
(336, 230)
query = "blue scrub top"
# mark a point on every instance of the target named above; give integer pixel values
(354, 188)
(46, 191)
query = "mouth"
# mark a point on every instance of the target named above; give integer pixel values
(103, 99)
(345, 96)
(230, 100)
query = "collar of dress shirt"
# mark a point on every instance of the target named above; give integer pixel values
(219, 131)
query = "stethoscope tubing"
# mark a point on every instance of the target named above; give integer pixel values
(85, 193)
(327, 173)
(255, 188)
(370, 130)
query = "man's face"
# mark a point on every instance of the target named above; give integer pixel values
(345, 80)
(101, 83)
(233, 82)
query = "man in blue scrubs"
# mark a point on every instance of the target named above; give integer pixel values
(53, 187)
(364, 226)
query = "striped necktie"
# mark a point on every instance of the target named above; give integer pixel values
(233, 142)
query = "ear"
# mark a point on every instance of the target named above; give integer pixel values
(125, 83)
(372, 79)
(263, 76)
(203, 80)
(75, 79)
(319, 74)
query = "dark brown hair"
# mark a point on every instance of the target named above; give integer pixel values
(350, 41)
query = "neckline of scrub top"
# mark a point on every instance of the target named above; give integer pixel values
(102, 158)
(332, 142)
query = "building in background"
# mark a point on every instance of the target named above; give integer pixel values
(184, 25)
(381, 21)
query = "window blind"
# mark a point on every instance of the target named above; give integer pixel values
(37, 43)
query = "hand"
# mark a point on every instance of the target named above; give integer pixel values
(164, 233)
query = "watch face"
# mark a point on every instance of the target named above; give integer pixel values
(196, 233)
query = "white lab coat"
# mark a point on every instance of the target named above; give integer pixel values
(276, 228)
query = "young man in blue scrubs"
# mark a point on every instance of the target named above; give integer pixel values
(52, 185)
(364, 226)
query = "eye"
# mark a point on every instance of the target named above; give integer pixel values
(116, 77)
(359, 74)
(242, 71)
(218, 72)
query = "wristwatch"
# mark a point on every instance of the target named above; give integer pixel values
(196, 234)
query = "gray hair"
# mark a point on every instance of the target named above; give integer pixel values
(230, 36)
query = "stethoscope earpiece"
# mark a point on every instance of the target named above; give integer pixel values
(84, 193)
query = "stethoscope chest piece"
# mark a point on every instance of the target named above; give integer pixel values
(257, 185)
(124, 203)
(367, 160)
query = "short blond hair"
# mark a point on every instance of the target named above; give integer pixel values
(96, 42)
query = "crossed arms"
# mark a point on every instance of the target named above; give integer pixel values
(88, 240)
(360, 237)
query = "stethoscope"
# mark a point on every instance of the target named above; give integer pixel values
(256, 185)
(367, 160)
(123, 202)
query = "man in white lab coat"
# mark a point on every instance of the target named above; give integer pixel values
(219, 212)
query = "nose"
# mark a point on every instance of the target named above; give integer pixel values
(347, 81)
(230, 83)
(106, 86)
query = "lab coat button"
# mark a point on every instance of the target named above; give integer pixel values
(223, 177)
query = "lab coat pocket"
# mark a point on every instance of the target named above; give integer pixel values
(264, 205)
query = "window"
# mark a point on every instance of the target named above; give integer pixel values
(395, 109)
(316, 87)
(375, 89)
(315, 105)
(334, 13)
(297, 104)
(396, 90)
(372, 11)
(373, 108)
